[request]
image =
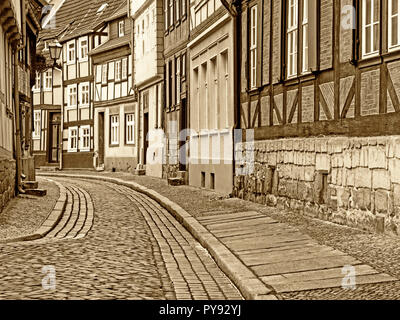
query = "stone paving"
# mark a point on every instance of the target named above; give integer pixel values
(380, 252)
(134, 250)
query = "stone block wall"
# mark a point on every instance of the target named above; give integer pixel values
(7, 181)
(350, 181)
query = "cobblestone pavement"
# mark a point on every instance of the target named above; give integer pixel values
(133, 251)
(382, 252)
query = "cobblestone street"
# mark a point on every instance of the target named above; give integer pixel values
(134, 250)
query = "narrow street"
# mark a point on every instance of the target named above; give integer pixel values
(131, 248)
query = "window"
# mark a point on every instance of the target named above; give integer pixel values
(177, 10)
(71, 95)
(370, 27)
(37, 82)
(130, 128)
(48, 80)
(171, 12)
(124, 68)
(83, 49)
(118, 70)
(72, 139)
(253, 47)
(84, 94)
(46, 45)
(394, 25)
(71, 52)
(114, 132)
(36, 124)
(171, 79)
(184, 65)
(183, 8)
(104, 77)
(84, 138)
(166, 14)
(178, 79)
(305, 36)
(121, 28)
(292, 38)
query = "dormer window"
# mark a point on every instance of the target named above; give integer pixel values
(121, 28)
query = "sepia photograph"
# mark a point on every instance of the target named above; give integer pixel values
(200, 154)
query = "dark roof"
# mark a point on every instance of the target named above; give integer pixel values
(112, 44)
(79, 17)
(121, 11)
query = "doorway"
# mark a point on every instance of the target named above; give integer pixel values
(183, 165)
(145, 132)
(54, 137)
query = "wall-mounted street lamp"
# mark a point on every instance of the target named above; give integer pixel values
(55, 52)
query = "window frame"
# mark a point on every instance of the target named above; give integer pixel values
(130, 123)
(36, 87)
(69, 87)
(83, 58)
(364, 26)
(253, 46)
(81, 86)
(292, 34)
(82, 136)
(104, 73)
(391, 46)
(48, 78)
(114, 134)
(69, 50)
(124, 68)
(70, 137)
(121, 23)
(118, 71)
(37, 124)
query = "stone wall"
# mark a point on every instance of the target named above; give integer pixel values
(7, 181)
(350, 181)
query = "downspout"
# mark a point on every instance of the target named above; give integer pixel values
(237, 36)
(62, 112)
(17, 123)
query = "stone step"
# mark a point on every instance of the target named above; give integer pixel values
(30, 185)
(36, 192)
(176, 181)
(140, 172)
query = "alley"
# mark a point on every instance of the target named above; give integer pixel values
(132, 250)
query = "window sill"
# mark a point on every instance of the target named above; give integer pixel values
(130, 144)
(84, 106)
(84, 150)
(35, 138)
(369, 61)
(113, 145)
(392, 55)
(72, 150)
(83, 60)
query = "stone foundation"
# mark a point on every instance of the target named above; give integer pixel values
(125, 164)
(350, 181)
(7, 181)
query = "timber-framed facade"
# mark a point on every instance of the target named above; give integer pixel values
(320, 87)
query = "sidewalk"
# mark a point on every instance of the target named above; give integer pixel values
(291, 255)
(24, 214)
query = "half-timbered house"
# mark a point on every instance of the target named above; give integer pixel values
(148, 30)
(176, 106)
(115, 107)
(320, 85)
(79, 27)
(212, 105)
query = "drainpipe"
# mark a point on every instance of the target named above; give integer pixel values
(237, 48)
(17, 123)
(62, 113)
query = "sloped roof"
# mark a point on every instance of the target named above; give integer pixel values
(79, 17)
(111, 44)
(121, 11)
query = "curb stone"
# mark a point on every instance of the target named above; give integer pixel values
(251, 287)
(50, 222)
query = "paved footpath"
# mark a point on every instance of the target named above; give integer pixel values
(289, 263)
(130, 248)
